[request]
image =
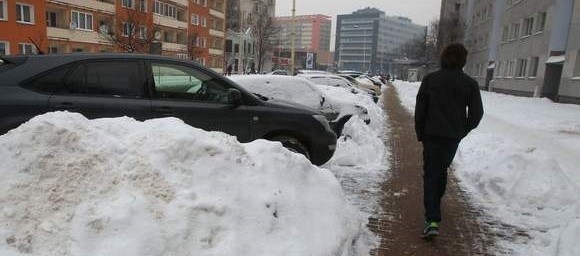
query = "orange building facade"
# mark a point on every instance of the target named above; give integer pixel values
(189, 29)
(22, 26)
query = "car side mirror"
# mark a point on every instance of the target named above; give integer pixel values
(235, 97)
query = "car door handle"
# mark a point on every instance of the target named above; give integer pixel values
(67, 106)
(166, 111)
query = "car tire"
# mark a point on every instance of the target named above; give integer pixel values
(293, 145)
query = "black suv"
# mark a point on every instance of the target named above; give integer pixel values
(151, 86)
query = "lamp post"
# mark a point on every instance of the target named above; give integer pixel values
(293, 50)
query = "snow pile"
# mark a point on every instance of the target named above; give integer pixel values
(522, 164)
(72, 186)
(359, 144)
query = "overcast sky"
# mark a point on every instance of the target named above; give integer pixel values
(420, 11)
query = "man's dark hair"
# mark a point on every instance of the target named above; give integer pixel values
(454, 56)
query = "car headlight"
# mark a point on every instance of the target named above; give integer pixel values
(322, 121)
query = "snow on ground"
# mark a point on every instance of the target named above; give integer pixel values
(72, 186)
(521, 164)
(361, 158)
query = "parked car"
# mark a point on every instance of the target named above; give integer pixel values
(338, 81)
(351, 73)
(369, 88)
(302, 91)
(311, 71)
(280, 72)
(150, 86)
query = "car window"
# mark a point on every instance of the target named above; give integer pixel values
(182, 82)
(335, 81)
(108, 78)
(51, 82)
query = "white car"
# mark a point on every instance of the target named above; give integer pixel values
(339, 81)
(299, 90)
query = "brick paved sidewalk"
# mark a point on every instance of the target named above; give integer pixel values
(401, 221)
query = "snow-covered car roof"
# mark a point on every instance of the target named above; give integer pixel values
(300, 90)
(309, 71)
(328, 79)
(291, 88)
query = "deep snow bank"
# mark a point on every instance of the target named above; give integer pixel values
(522, 165)
(72, 186)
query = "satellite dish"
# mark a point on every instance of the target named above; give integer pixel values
(104, 29)
(157, 35)
(72, 25)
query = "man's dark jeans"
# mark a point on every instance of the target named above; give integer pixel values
(438, 153)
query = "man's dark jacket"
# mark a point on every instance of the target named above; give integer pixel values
(448, 105)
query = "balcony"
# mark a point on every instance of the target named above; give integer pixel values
(93, 5)
(217, 14)
(173, 47)
(169, 22)
(217, 33)
(181, 2)
(75, 35)
(216, 51)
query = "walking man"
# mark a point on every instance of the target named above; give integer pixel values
(448, 107)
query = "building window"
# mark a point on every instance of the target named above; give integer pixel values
(203, 22)
(165, 9)
(505, 34)
(51, 19)
(128, 4)
(511, 68)
(142, 32)
(534, 64)
(4, 48)
(52, 49)
(194, 19)
(24, 48)
(541, 22)
(82, 20)
(577, 66)
(24, 13)
(3, 14)
(143, 5)
(515, 30)
(528, 26)
(128, 29)
(521, 68)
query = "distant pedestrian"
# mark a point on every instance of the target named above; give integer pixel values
(448, 107)
(229, 70)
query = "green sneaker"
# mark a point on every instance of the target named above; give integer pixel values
(431, 230)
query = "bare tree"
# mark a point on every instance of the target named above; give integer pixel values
(264, 30)
(131, 33)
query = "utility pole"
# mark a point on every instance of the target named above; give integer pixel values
(293, 37)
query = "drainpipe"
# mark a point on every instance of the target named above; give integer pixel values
(561, 26)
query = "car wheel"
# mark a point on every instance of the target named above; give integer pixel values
(293, 145)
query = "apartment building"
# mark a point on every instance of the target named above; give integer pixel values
(368, 40)
(525, 47)
(184, 29)
(241, 43)
(21, 25)
(312, 38)
(482, 39)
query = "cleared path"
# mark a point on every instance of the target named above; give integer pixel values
(463, 231)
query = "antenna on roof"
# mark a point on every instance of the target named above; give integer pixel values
(38, 50)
